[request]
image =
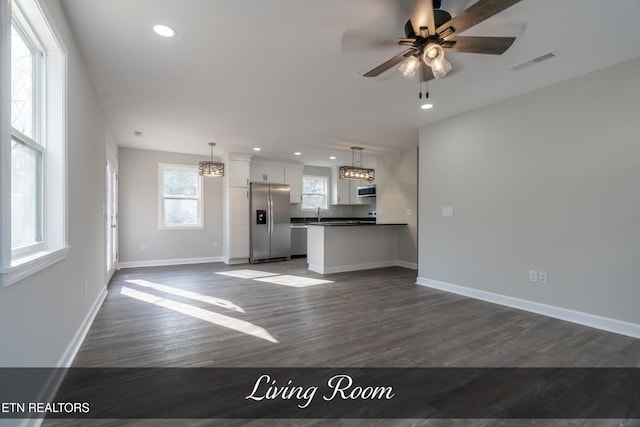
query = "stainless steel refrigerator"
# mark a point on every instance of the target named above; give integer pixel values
(270, 222)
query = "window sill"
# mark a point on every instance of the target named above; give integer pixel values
(27, 266)
(184, 228)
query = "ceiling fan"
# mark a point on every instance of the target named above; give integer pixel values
(431, 30)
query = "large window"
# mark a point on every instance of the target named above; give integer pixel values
(315, 191)
(32, 142)
(28, 154)
(180, 196)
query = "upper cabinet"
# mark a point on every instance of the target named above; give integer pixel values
(293, 177)
(238, 173)
(267, 173)
(273, 172)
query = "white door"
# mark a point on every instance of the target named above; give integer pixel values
(111, 216)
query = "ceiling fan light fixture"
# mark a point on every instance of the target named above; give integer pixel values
(209, 167)
(440, 68)
(409, 67)
(432, 52)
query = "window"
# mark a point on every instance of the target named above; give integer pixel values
(180, 196)
(27, 152)
(33, 143)
(315, 190)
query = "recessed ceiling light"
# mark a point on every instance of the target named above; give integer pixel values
(297, 153)
(426, 106)
(332, 158)
(164, 30)
(257, 149)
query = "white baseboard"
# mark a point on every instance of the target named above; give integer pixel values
(351, 267)
(579, 317)
(411, 265)
(72, 349)
(164, 262)
(366, 266)
(233, 261)
(54, 382)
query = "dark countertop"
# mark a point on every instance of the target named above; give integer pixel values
(308, 221)
(349, 223)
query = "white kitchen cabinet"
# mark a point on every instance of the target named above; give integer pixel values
(239, 173)
(238, 222)
(267, 173)
(293, 177)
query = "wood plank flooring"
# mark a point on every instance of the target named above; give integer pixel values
(217, 315)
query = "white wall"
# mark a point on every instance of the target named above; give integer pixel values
(138, 206)
(546, 181)
(41, 317)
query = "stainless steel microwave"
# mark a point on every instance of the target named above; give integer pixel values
(367, 191)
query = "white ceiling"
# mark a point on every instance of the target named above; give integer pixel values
(274, 74)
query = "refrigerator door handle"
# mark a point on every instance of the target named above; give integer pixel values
(270, 204)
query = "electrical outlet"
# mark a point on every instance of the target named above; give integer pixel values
(533, 276)
(542, 278)
(408, 212)
(143, 247)
(447, 211)
(215, 244)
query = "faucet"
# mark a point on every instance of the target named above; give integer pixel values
(318, 213)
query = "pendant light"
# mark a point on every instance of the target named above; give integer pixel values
(209, 167)
(354, 171)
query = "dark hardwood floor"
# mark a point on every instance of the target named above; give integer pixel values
(282, 315)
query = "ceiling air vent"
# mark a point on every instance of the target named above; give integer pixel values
(532, 61)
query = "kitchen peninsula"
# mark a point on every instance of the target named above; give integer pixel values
(339, 246)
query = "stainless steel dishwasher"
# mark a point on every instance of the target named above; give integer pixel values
(298, 240)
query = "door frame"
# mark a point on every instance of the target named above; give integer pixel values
(111, 224)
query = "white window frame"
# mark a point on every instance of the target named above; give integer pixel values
(325, 206)
(161, 197)
(49, 138)
(37, 141)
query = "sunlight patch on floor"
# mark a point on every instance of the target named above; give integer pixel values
(294, 281)
(246, 274)
(188, 294)
(202, 314)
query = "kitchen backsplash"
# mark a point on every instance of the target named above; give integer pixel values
(335, 211)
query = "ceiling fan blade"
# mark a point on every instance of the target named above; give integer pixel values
(422, 16)
(356, 39)
(475, 14)
(487, 45)
(390, 63)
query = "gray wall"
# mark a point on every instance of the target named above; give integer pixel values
(397, 192)
(40, 316)
(138, 206)
(546, 181)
